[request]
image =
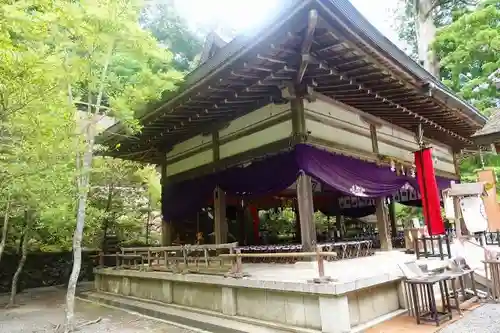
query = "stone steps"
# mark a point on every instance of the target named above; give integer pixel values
(201, 320)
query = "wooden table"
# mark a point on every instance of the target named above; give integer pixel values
(424, 300)
(459, 277)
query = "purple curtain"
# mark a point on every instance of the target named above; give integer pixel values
(260, 178)
(350, 175)
(276, 173)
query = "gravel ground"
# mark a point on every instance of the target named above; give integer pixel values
(485, 319)
(42, 312)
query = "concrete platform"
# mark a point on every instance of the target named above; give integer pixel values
(365, 292)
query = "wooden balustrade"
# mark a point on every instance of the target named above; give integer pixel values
(492, 270)
(187, 258)
(171, 258)
(425, 247)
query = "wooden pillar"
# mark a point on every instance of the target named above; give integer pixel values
(392, 218)
(298, 233)
(456, 202)
(340, 226)
(166, 233)
(383, 225)
(306, 212)
(220, 221)
(166, 226)
(339, 221)
(382, 219)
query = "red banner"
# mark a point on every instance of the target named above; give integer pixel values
(429, 192)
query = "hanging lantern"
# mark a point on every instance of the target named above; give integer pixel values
(403, 170)
(393, 166)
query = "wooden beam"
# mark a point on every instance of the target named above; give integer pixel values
(306, 44)
(215, 146)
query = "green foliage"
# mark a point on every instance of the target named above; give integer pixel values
(405, 22)
(469, 50)
(95, 55)
(36, 126)
(162, 19)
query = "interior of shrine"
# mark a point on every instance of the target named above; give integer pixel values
(253, 209)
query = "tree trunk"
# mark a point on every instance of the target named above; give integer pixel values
(24, 255)
(5, 228)
(426, 32)
(86, 164)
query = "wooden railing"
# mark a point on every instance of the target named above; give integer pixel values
(425, 247)
(224, 259)
(318, 256)
(491, 238)
(492, 271)
(171, 258)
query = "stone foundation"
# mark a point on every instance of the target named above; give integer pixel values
(329, 308)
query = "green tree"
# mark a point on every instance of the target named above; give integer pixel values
(98, 33)
(417, 22)
(172, 32)
(469, 52)
(34, 174)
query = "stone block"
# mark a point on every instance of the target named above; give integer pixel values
(229, 301)
(334, 312)
(167, 292)
(125, 286)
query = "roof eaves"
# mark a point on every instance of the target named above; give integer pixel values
(370, 34)
(222, 59)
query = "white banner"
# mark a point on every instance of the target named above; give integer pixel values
(474, 213)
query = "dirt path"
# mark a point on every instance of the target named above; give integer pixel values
(42, 312)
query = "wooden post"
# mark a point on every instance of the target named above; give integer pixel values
(339, 224)
(166, 233)
(298, 233)
(382, 225)
(166, 226)
(306, 212)
(321, 264)
(392, 218)
(220, 221)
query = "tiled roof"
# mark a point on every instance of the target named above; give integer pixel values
(492, 125)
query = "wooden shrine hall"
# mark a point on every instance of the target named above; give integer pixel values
(318, 107)
(317, 95)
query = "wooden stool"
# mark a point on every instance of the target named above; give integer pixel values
(424, 301)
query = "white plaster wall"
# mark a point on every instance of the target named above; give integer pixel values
(258, 139)
(265, 118)
(189, 145)
(255, 118)
(191, 162)
(333, 121)
(232, 143)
